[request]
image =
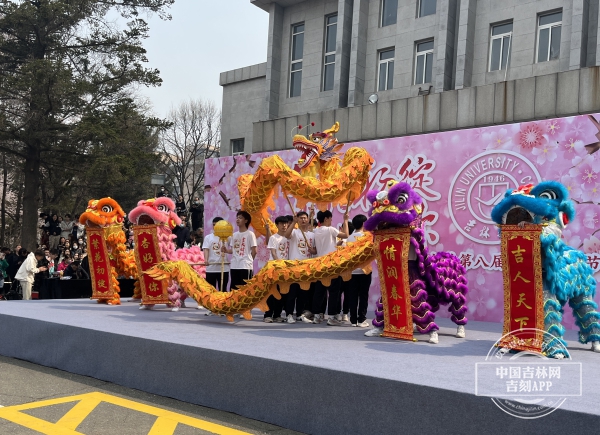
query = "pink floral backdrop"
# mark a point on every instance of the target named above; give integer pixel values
(460, 175)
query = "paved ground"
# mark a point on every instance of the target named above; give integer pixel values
(57, 402)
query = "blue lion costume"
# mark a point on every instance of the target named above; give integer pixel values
(566, 275)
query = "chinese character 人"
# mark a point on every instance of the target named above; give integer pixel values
(521, 276)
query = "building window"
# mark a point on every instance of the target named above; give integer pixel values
(549, 36)
(424, 62)
(389, 12)
(426, 7)
(500, 43)
(296, 60)
(237, 147)
(386, 69)
(329, 58)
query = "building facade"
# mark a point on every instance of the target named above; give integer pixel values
(387, 68)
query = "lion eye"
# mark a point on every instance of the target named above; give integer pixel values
(107, 209)
(163, 208)
(548, 194)
(402, 198)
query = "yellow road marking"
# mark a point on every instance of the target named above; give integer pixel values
(165, 424)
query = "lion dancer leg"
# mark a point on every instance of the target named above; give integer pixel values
(554, 345)
(587, 318)
(378, 321)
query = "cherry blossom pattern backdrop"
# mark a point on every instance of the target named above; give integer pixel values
(460, 175)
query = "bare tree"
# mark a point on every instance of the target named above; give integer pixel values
(194, 136)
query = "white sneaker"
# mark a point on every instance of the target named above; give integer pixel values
(364, 324)
(145, 307)
(290, 319)
(268, 320)
(175, 309)
(199, 307)
(460, 331)
(338, 317)
(208, 313)
(305, 319)
(345, 318)
(318, 319)
(595, 346)
(333, 321)
(433, 337)
(375, 332)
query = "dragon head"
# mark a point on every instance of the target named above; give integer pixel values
(102, 213)
(320, 146)
(547, 202)
(397, 205)
(155, 211)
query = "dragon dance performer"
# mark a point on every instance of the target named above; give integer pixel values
(243, 248)
(214, 257)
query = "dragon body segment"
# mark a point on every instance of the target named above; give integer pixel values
(106, 213)
(280, 273)
(435, 279)
(566, 275)
(323, 178)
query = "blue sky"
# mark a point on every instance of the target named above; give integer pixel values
(204, 38)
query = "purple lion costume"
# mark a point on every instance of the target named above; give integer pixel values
(435, 279)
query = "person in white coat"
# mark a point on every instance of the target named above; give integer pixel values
(27, 271)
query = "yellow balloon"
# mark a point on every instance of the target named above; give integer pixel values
(223, 230)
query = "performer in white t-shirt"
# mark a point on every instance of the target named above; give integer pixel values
(213, 255)
(326, 242)
(243, 248)
(302, 246)
(278, 246)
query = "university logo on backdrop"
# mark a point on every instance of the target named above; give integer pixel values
(479, 185)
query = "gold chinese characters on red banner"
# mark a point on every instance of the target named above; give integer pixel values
(391, 250)
(100, 267)
(147, 254)
(523, 288)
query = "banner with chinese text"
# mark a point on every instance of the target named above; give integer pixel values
(100, 267)
(147, 254)
(391, 248)
(523, 287)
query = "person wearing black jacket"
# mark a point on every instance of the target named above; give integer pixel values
(180, 206)
(183, 234)
(55, 231)
(15, 261)
(197, 212)
(75, 271)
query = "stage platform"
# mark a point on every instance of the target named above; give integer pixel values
(315, 379)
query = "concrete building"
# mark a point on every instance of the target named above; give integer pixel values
(387, 68)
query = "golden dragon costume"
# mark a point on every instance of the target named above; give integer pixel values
(322, 179)
(325, 179)
(107, 254)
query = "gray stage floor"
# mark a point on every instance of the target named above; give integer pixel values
(448, 366)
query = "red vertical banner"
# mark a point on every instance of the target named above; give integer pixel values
(100, 267)
(391, 249)
(147, 254)
(523, 287)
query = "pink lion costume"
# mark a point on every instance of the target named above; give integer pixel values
(160, 211)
